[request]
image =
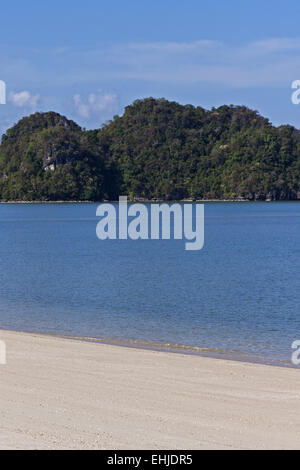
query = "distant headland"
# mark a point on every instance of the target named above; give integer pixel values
(157, 150)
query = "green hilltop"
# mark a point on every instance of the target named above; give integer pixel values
(156, 149)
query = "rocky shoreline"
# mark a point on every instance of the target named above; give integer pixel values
(144, 200)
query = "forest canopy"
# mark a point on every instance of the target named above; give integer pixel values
(156, 150)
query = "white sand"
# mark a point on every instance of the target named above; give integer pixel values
(62, 393)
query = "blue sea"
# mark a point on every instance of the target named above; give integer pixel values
(240, 294)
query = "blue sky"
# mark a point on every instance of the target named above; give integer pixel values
(88, 59)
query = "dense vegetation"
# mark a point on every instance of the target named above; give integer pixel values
(157, 149)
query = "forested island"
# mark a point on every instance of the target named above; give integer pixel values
(156, 150)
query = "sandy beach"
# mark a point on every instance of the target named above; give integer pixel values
(59, 393)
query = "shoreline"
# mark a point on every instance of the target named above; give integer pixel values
(59, 393)
(189, 350)
(151, 201)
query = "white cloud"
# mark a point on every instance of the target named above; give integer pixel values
(173, 47)
(23, 99)
(97, 104)
(269, 62)
(277, 44)
(145, 67)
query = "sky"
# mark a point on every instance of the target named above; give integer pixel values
(89, 59)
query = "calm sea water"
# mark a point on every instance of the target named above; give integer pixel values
(241, 292)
